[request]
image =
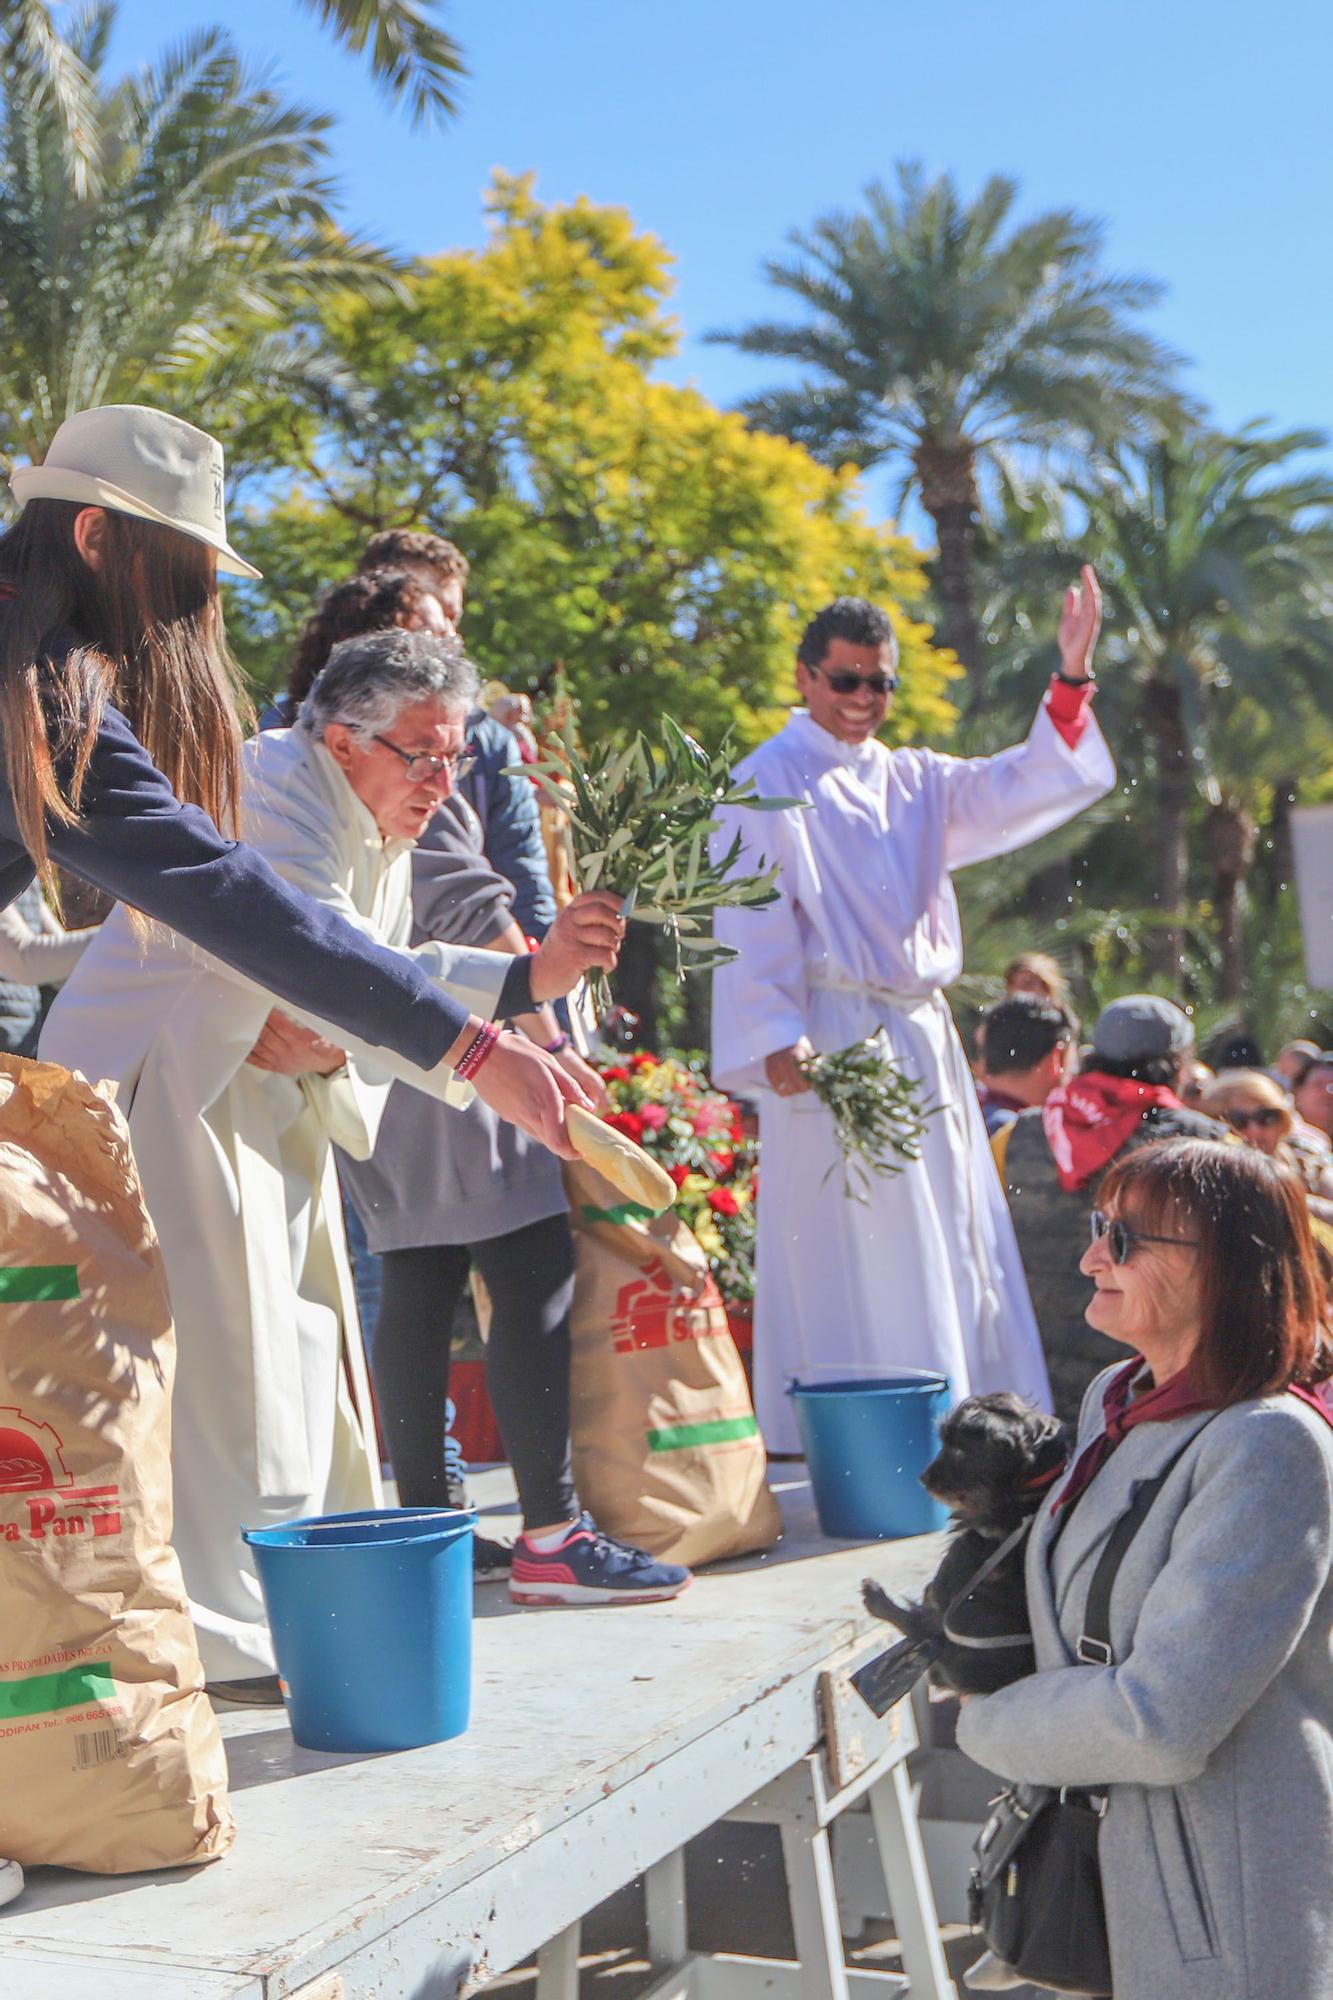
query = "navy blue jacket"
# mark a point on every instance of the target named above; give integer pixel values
(137, 841)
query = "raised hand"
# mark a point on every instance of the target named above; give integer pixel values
(1080, 622)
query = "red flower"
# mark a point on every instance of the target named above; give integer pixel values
(615, 1075)
(642, 1061)
(723, 1202)
(680, 1174)
(722, 1163)
(628, 1122)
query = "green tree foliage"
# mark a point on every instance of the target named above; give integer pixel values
(661, 550)
(181, 274)
(945, 338)
(411, 57)
(1217, 553)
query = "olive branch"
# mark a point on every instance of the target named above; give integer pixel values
(879, 1118)
(639, 822)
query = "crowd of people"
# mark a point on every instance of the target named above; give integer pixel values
(334, 994)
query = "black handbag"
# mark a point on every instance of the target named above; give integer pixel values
(1036, 1888)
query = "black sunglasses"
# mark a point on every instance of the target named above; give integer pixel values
(1265, 1116)
(1121, 1239)
(851, 683)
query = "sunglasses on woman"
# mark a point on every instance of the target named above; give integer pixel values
(852, 683)
(1121, 1239)
(1265, 1117)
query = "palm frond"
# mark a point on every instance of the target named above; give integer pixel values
(411, 56)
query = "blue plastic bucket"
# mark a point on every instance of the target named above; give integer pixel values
(371, 1616)
(867, 1441)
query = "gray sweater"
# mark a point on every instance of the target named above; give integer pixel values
(440, 1175)
(1214, 1732)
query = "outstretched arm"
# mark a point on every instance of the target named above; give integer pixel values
(994, 804)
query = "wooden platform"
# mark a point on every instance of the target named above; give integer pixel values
(601, 1741)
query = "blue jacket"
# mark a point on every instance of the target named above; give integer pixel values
(510, 823)
(137, 841)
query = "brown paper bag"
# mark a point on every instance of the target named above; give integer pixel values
(667, 1453)
(110, 1757)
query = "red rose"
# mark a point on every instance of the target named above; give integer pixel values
(615, 1075)
(723, 1202)
(722, 1163)
(680, 1174)
(628, 1122)
(642, 1061)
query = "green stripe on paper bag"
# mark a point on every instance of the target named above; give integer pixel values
(623, 1212)
(20, 1282)
(72, 1687)
(719, 1430)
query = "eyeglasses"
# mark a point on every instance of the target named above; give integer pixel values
(421, 765)
(1121, 1239)
(1265, 1116)
(853, 683)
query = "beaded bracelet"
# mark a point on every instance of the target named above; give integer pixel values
(553, 1048)
(476, 1052)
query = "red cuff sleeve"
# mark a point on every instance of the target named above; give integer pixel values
(1068, 709)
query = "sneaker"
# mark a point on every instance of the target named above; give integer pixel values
(491, 1561)
(455, 1465)
(592, 1568)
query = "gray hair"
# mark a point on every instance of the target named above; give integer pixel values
(366, 681)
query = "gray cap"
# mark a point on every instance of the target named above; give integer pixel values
(1142, 1028)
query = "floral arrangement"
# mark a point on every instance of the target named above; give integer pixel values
(668, 1105)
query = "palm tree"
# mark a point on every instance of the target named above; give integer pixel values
(1217, 552)
(182, 274)
(945, 338)
(411, 57)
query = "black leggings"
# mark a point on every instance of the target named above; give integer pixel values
(530, 1277)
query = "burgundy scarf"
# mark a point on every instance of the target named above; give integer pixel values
(1174, 1398)
(1088, 1120)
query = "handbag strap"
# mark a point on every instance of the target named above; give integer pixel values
(1094, 1647)
(992, 1563)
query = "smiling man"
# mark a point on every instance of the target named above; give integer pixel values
(925, 1273)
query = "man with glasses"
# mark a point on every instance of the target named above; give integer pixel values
(1052, 1161)
(866, 935)
(234, 1128)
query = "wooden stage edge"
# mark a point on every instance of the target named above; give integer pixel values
(601, 1741)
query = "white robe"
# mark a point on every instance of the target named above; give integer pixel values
(926, 1274)
(271, 1415)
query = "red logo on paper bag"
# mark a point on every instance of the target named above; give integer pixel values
(29, 1454)
(651, 1312)
(32, 1463)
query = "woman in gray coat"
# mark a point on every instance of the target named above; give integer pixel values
(1212, 1734)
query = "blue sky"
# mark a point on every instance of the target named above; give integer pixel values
(1199, 132)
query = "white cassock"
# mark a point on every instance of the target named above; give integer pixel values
(271, 1416)
(866, 933)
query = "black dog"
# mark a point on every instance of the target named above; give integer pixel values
(997, 1458)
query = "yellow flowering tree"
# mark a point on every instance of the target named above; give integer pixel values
(656, 547)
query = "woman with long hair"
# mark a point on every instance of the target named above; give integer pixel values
(120, 710)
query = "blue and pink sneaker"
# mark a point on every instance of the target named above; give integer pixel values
(589, 1567)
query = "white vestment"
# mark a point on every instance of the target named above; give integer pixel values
(271, 1417)
(926, 1274)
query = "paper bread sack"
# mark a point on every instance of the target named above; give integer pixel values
(110, 1757)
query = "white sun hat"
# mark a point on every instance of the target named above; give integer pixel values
(142, 462)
